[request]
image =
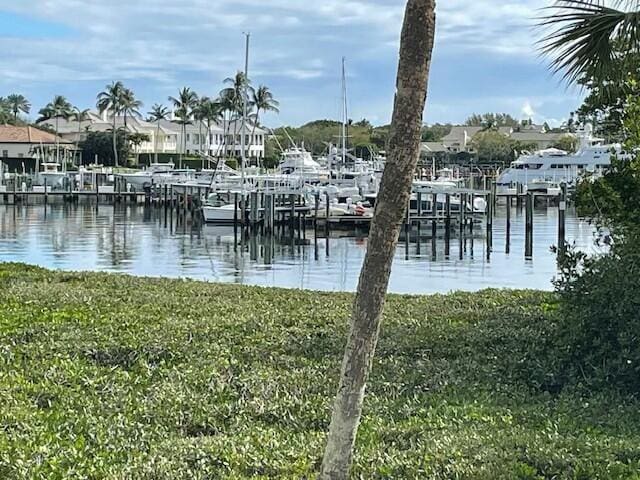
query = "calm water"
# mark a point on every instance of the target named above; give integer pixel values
(132, 239)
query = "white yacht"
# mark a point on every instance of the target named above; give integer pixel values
(550, 167)
(158, 173)
(298, 160)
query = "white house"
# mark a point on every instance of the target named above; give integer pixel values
(160, 137)
(220, 139)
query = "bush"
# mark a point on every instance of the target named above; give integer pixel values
(600, 332)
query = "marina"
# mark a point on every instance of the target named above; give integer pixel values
(139, 240)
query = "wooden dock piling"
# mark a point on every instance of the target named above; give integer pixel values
(528, 247)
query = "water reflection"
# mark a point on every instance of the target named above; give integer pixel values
(157, 242)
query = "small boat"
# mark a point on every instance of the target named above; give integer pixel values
(51, 175)
(218, 210)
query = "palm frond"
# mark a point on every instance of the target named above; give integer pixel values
(586, 37)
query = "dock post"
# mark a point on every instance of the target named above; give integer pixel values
(508, 229)
(447, 225)
(407, 228)
(235, 211)
(434, 213)
(292, 211)
(328, 211)
(463, 200)
(46, 195)
(562, 207)
(490, 206)
(253, 208)
(315, 215)
(528, 248)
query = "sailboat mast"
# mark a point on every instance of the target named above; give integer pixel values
(244, 106)
(344, 114)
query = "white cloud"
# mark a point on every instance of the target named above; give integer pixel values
(527, 110)
(296, 48)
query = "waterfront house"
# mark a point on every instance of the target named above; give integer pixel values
(20, 145)
(430, 151)
(167, 138)
(460, 137)
(220, 139)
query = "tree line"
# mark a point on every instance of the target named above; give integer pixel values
(119, 101)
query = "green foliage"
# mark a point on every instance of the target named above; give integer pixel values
(435, 132)
(493, 146)
(101, 144)
(601, 301)
(601, 295)
(492, 120)
(317, 135)
(568, 143)
(111, 376)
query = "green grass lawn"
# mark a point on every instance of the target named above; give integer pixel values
(111, 376)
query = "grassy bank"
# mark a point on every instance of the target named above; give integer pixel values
(109, 376)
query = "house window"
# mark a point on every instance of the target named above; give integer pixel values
(21, 155)
(5, 153)
(188, 137)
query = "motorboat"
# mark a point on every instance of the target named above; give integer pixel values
(51, 175)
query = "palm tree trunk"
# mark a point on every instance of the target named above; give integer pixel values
(416, 45)
(126, 133)
(156, 146)
(183, 147)
(253, 133)
(57, 143)
(115, 142)
(78, 140)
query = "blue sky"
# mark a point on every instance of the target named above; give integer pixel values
(484, 60)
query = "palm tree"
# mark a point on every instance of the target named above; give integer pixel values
(79, 116)
(130, 107)
(233, 99)
(56, 109)
(157, 114)
(588, 38)
(416, 45)
(262, 101)
(208, 112)
(184, 104)
(18, 104)
(228, 106)
(111, 100)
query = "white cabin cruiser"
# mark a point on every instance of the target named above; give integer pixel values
(52, 175)
(552, 166)
(158, 173)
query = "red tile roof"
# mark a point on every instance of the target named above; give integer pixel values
(13, 134)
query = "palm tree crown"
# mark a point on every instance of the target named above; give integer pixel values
(130, 105)
(184, 104)
(111, 99)
(587, 37)
(18, 104)
(158, 112)
(59, 107)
